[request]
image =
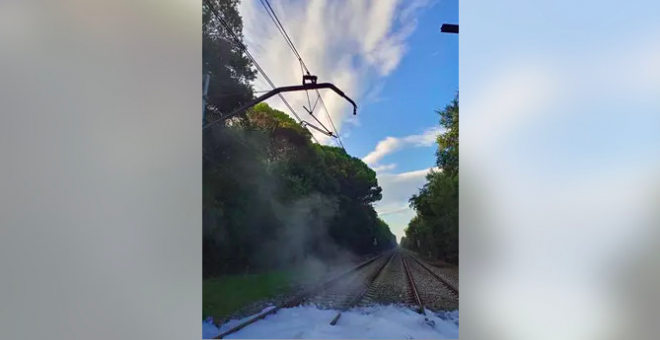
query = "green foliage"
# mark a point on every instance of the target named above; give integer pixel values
(434, 229)
(271, 197)
(268, 187)
(436, 223)
(223, 296)
(231, 71)
(447, 152)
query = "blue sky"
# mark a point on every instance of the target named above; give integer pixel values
(559, 117)
(388, 55)
(425, 80)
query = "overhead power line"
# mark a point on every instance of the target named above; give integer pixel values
(280, 27)
(265, 96)
(234, 94)
(242, 46)
(282, 30)
(330, 119)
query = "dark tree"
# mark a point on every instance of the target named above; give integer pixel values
(434, 230)
(231, 70)
(271, 197)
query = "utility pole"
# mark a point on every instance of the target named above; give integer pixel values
(207, 79)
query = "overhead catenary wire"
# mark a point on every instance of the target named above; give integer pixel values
(330, 119)
(242, 46)
(283, 89)
(235, 94)
(311, 113)
(280, 27)
(282, 30)
(303, 67)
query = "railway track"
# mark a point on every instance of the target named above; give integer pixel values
(435, 291)
(412, 288)
(395, 276)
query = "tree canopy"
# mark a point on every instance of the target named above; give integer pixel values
(230, 69)
(272, 197)
(434, 229)
(268, 187)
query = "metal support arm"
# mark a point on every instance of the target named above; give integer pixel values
(308, 86)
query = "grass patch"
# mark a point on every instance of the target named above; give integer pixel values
(225, 295)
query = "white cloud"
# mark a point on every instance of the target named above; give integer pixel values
(392, 144)
(397, 190)
(384, 167)
(353, 44)
(411, 175)
(406, 176)
(427, 138)
(384, 147)
(401, 209)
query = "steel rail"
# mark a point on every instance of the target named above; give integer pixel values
(363, 291)
(413, 286)
(440, 278)
(301, 297)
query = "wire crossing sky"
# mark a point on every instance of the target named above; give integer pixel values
(388, 55)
